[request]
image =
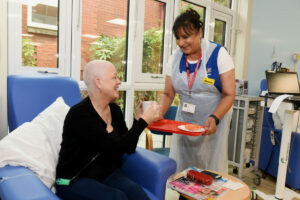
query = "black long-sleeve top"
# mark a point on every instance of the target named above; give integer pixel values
(85, 136)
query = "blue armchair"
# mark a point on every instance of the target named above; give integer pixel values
(269, 153)
(27, 97)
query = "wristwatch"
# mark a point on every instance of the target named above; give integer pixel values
(216, 118)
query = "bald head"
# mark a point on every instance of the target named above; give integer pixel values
(93, 69)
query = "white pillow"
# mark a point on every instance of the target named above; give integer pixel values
(36, 144)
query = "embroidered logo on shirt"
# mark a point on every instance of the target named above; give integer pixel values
(208, 71)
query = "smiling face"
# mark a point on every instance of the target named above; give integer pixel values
(109, 83)
(189, 42)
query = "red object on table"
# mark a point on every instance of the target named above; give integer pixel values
(171, 126)
(199, 177)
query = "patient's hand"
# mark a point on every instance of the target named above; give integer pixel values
(139, 111)
(152, 113)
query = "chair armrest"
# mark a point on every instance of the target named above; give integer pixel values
(149, 169)
(20, 183)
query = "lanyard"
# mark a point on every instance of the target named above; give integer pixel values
(195, 73)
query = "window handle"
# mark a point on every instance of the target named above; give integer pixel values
(46, 72)
(156, 76)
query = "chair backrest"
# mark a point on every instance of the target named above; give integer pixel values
(27, 96)
(267, 119)
(263, 85)
(170, 114)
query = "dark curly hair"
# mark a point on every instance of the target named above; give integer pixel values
(188, 21)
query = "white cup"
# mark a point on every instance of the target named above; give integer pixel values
(147, 103)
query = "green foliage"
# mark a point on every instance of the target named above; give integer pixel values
(152, 51)
(225, 3)
(176, 100)
(28, 52)
(219, 32)
(111, 49)
(120, 101)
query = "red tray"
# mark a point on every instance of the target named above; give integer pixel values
(171, 126)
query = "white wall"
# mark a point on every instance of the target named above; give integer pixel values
(3, 68)
(274, 36)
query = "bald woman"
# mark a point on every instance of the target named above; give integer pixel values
(95, 137)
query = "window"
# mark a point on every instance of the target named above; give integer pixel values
(153, 37)
(221, 29)
(154, 42)
(39, 41)
(219, 33)
(34, 49)
(59, 37)
(104, 27)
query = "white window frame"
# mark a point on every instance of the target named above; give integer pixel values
(214, 11)
(36, 24)
(135, 50)
(15, 41)
(225, 18)
(140, 77)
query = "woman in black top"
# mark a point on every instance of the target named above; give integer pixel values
(95, 137)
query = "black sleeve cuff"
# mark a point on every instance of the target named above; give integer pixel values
(140, 123)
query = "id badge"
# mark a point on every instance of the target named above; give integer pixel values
(208, 81)
(187, 107)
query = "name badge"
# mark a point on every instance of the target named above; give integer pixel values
(209, 81)
(187, 107)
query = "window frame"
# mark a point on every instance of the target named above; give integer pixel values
(15, 42)
(225, 18)
(139, 76)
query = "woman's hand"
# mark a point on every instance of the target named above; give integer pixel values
(210, 126)
(152, 113)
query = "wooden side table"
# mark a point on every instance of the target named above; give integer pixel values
(243, 193)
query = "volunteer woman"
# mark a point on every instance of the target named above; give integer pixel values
(202, 73)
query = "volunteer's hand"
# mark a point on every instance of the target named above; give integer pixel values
(210, 126)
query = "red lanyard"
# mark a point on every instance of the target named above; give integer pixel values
(188, 72)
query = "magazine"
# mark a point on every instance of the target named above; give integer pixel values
(198, 191)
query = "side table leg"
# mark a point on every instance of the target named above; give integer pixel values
(284, 153)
